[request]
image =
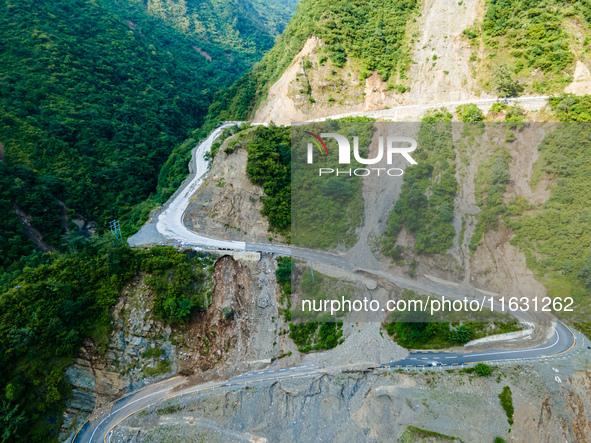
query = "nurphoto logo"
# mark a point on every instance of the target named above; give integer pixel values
(394, 145)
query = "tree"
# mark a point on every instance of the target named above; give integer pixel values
(482, 369)
(461, 334)
(10, 421)
(506, 86)
(283, 272)
(470, 113)
(338, 56)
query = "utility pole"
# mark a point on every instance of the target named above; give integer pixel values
(116, 231)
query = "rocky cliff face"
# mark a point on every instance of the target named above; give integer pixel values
(227, 205)
(139, 351)
(238, 332)
(440, 72)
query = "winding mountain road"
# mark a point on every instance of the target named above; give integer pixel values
(170, 228)
(99, 429)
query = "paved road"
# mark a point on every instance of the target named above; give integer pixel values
(561, 341)
(169, 226)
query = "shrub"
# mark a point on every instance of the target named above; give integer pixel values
(228, 313)
(470, 113)
(461, 334)
(283, 272)
(505, 84)
(506, 401)
(482, 369)
(186, 372)
(162, 367)
(338, 55)
(154, 352)
(316, 335)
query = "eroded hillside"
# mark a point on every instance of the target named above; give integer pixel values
(238, 331)
(408, 407)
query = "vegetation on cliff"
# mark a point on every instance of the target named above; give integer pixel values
(555, 237)
(60, 299)
(429, 219)
(530, 46)
(269, 165)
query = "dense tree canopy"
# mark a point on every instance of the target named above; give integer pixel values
(93, 99)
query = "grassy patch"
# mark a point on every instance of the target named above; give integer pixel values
(154, 352)
(585, 328)
(414, 434)
(315, 336)
(316, 289)
(162, 367)
(506, 401)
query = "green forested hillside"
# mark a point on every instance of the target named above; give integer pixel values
(55, 304)
(230, 30)
(534, 42)
(93, 99)
(371, 33)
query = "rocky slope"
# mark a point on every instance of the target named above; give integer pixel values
(445, 67)
(550, 399)
(238, 332)
(440, 72)
(227, 205)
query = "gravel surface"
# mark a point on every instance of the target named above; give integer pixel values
(366, 345)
